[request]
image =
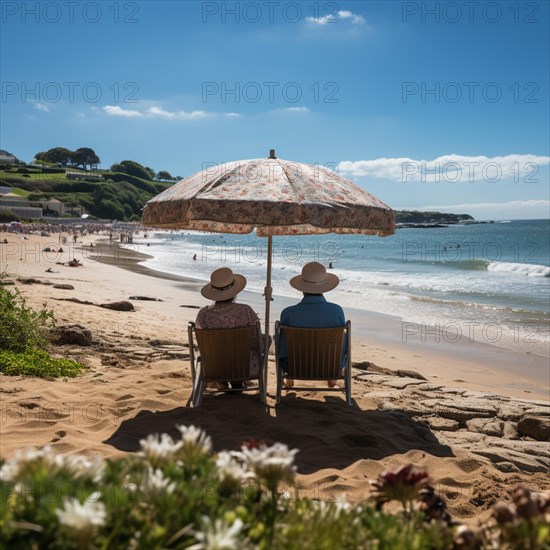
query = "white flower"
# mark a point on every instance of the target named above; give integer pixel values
(155, 483)
(195, 441)
(341, 503)
(218, 535)
(77, 465)
(271, 464)
(231, 471)
(81, 521)
(81, 467)
(157, 448)
(19, 465)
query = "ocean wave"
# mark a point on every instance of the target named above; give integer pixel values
(530, 270)
(468, 264)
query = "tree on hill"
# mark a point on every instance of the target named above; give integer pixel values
(84, 156)
(131, 168)
(152, 173)
(164, 175)
(57, 155)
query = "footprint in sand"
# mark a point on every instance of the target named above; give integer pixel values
(28, 405)
(60, 434)
(125, 397)
(163, 392)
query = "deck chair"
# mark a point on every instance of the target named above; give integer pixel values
(224, 356)
(314, 354)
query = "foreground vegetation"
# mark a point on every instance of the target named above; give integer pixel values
(177, 493)
(23, 340)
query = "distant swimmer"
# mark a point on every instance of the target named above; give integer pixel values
(195, 257)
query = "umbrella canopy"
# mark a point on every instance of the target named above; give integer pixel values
(277, 196)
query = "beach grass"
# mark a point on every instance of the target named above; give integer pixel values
(23, 340)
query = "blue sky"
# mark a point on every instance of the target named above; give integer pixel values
(424, 104)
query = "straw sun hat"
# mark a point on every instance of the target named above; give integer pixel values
(223, 285)
(314, 279)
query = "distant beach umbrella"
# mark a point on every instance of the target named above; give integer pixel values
(273, 196)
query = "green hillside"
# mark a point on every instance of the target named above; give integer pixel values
(119, 196)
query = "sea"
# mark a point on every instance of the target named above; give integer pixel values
(486, 282)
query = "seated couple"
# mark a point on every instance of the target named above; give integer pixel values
(313, 311)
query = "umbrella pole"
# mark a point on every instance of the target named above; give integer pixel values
(267, 293)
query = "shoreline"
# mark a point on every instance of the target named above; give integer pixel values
(486, 366)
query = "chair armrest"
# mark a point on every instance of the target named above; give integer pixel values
(277, 338)
(190, 332)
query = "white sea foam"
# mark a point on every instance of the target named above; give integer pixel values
(530, 270)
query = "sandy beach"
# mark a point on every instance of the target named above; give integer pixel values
(454, 411)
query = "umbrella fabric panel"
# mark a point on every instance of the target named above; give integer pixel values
(279, 197)
(272, 180)
(280, 219)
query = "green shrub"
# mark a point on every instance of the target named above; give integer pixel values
(7, 216)
(37, 362)
(23, 340)
(148, 186)
(22, 328)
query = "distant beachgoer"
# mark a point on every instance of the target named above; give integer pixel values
(330, 265)
(75, 263)
(194, 257)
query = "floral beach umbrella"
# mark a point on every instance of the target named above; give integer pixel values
(275, 196)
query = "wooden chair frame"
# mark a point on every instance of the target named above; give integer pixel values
(224, 356)
(314, 354)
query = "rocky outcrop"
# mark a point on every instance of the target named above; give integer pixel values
(119, 306)
(72, 334)
(537, 427)
(512, 433)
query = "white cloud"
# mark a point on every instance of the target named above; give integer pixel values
(41, 107)
(449, 168)
(297, 109)
(163, 113)
(115, 110)
(158, 112)
(354, 18)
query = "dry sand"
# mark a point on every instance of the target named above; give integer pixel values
(134, 388)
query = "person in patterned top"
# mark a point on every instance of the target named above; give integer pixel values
(223, 288)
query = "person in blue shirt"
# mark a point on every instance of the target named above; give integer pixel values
(313, 311)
